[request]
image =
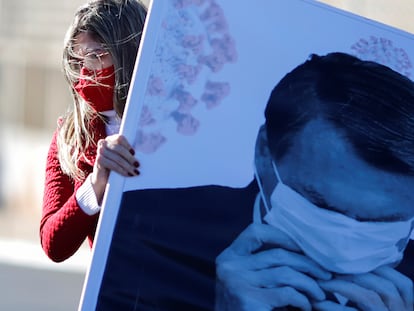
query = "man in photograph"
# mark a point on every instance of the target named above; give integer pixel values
(332, 223)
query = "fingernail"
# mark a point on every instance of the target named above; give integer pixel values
(136, 172)
(132, 151)
(130, 174)
(136, 163)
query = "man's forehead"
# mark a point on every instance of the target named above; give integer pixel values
(324, 167)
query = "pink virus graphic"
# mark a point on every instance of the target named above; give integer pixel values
(186, 101)
(149, 142)
(155, 86)
(186, 123)
(146, 117)
(214, 93)
(194, 47)
(383, 51)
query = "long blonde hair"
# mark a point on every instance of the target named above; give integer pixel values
(118, 24)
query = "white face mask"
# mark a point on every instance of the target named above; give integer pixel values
(337, 242)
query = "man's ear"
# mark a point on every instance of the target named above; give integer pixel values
(264, 168)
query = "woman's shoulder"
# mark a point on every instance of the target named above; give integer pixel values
(59, 124)
(62, 121)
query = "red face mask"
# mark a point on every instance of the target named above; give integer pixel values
(99, 91)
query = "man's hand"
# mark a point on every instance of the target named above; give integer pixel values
(264, 269)
(384, 289)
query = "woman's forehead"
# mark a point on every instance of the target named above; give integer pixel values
(85, 41)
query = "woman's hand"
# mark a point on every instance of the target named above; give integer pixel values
(114, 153)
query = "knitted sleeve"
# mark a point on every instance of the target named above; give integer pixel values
(64, 226)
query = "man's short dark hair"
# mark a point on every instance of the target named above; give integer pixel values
(369, 103)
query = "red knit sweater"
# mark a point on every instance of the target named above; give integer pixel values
(64, 226)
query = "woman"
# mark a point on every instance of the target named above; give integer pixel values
(98, 55)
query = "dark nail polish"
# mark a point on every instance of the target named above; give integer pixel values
(136, 172)
(130, 174)
(136, 164)
(132, 151)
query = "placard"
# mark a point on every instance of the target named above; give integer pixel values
(188, 232)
